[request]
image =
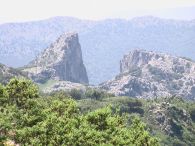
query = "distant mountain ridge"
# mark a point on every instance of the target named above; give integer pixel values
(148, 75)
(103, 42)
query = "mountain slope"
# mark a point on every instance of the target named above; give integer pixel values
(6, 73)
(149, 74)
(103, 42)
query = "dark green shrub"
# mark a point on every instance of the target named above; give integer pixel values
(21, 90)
(192, 114)
(97, 94)
(76, 94)
(3, 95)
(177, 142)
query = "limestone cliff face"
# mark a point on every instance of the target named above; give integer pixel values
(61, 61)
(150, 74)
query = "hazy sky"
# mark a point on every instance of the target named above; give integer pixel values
(25, 10)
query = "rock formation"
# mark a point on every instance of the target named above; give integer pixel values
(61, 61)
(6, 73)
(149, 74)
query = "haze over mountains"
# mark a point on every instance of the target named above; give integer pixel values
(103, 42)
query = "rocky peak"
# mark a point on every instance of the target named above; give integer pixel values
(150, 74)
(135, 58)
(141, 58)
(61, 61)
(65, 45)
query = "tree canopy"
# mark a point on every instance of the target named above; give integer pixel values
(29, 119)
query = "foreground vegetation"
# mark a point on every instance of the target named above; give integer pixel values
(26, 118)
(170, 119)
(92, 117)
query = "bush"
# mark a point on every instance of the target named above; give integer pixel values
(177, 142)
(96, 94)
(76, 94)
(3, 95)
(21, 90)
(192, 114)
(131, 106)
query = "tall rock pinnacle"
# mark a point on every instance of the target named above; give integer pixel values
(61, 61)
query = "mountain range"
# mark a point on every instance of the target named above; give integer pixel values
(103, 42)
(143, 74)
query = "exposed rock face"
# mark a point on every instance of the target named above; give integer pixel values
(6, 73)
(148, 74)
(61, 61)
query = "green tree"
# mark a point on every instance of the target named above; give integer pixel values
(62, 124)
(140, 135)
(3, 95)
(19, 90)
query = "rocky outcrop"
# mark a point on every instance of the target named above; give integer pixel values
(64, 86)
(170, 118)
(61, 61)
(149, 74)
(6, 73)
